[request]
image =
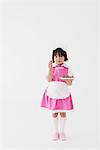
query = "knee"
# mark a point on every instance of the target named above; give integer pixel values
(55, 115)
(63, 114)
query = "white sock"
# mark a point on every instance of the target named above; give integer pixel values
(55, 122)
(62, 124)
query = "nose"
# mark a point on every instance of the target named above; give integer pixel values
(58, 58)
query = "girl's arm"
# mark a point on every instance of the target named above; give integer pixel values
(50, 73)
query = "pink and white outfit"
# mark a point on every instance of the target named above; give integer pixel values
(57, 96)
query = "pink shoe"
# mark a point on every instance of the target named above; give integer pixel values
(55, 136)
(62, 136)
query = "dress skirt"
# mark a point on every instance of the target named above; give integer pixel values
(59, 99)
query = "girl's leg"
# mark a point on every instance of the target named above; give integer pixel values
(62, 125)
(55, 122)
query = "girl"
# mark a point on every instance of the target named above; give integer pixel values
(57, 96)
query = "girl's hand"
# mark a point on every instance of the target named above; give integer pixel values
(69, 81)
(50, 65)
(49, 77)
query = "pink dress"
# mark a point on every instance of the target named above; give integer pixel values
(57, 96)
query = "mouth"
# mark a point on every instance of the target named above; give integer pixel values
(59, 62)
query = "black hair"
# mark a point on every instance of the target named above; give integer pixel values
(60, 52)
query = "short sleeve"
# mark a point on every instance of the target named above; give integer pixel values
(70, 73)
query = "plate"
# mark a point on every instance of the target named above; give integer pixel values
(64, 78)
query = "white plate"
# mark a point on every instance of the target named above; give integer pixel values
(64, 78)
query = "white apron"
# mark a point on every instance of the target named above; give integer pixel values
(58, 90)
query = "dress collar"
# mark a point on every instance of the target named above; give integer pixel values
(58, 65)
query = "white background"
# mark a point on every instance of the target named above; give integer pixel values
(29, 31)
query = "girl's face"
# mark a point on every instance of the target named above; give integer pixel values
(59, 59)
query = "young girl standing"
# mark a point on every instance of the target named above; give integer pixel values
(57, 96)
